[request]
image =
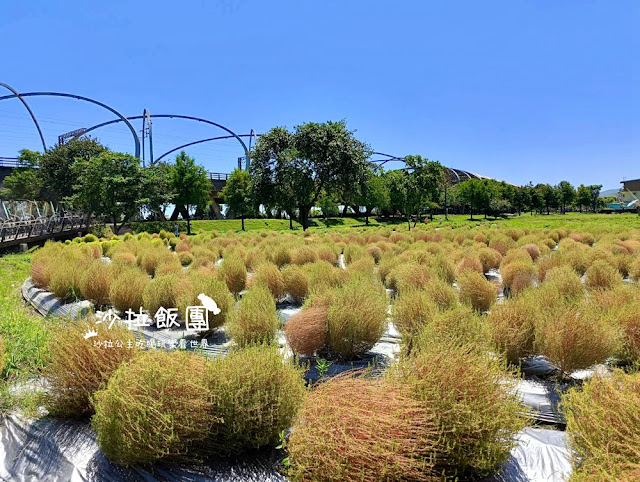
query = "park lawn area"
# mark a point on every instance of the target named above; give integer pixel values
(224, 225)
(552, 221)
(23, 331)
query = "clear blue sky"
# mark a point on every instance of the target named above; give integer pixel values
(521, 90)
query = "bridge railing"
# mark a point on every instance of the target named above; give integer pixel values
(218, 176)
(9, 162)
(24, 221)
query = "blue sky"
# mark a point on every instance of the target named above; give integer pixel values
(521, 90)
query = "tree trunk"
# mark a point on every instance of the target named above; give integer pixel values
(304, 217)
(344, 209)
(242, 219)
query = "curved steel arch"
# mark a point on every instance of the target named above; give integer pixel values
(86, 99)
(174, 116)
(33, 117)
(199, 142)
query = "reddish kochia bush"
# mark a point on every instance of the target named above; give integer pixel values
(306, 331)
(355, 428)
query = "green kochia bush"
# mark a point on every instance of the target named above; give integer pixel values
(357, 316)
(256, 320)
(256, 395)
(156, 406)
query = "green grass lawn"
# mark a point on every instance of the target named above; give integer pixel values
(223, 225)
(570, 220)
(23, 331)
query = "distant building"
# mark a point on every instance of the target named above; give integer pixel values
(630, 191)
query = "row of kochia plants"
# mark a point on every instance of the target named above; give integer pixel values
(447, 407)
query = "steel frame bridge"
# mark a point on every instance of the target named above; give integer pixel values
(27, 221)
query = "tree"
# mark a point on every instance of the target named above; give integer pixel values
(415, 188)
(112, 186)
(373, 192)
(566, 194)
(536, 202)
(56, 167)
(521, 199)
(191, 186)
(291, 170)
(549, 196)
(594, 190)
(158, 190)
(24, 182)
(237, 193)
(475, 193)
(327, 204)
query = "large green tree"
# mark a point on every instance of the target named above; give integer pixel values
(373, 192)
(292, 170)
(57, 167)
(237, 194)
(415, 188)
(111, 185)
(476, 193)
(191, 186)
(24, 182)
(566, 194)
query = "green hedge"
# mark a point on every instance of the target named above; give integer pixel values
(157, 226)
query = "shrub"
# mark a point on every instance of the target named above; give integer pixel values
(602, 427)
(156, 406)
(124, 257)
(364, 429)
(470, 262)
(77, 367)
(164, 292)
(411, 312)
(518, 275)
(268, 274)
(490, 259)
(442, 293)
(458, 325)
(476, 290)
(306, 331)
(150, 258)
(281, 256)
(66, 277)
(323, 276)
(170, 267)
(375, 252)
(234, 273)
(634, 269)
(573, 338)
(95, 283)
(127, 289)
(473, 398)
(256, 396)
(563, 281)
(602, 276)
(213, 288)
(512, 326)
(185, 258)
(409, 276)
(303, 255)
(183, 246)
(357, 317)
(296, 283)
(533, 250)
(627, 318)
(256, 320)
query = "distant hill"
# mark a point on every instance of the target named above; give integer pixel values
(609, 192)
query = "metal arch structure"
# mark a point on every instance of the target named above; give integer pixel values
(86, 99)
(33, 117)
(146, 118)
(201, 141)
(173, 116)
(458, 175)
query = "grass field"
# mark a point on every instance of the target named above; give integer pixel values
(585, 220)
